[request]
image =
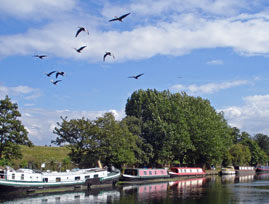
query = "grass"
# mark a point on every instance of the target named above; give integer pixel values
(37, 155)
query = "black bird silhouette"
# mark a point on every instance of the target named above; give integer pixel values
(40, 56)
(82, 29)
(48, 74)
(137, 76)
(55, 82)
(59, 73)
(119, 18)
(80, 49)
(108, 54)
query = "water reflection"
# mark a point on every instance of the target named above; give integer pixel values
(92, 196)
(207, 190)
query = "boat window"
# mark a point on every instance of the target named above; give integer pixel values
(58, 179)
(145, 173)
(132, 172)
(77, 178)
(162, 172)
(155, 172)
(22, 177)
(45, 179)
(95, 176)
(86, 177)
(150, 172)
(13, 176)
(57, 198)
(77, 196)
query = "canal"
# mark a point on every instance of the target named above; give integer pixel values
(249, 189)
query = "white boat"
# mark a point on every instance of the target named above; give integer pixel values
(228, 170)
(11, 179)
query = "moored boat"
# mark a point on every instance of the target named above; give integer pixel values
(186, 171)
(136, 174)
(262, 169)
(29, 179)
(244, 170)
(227, 170)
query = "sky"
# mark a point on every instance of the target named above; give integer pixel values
(215, 49)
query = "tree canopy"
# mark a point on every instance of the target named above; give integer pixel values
(180, 127)
(12, 132)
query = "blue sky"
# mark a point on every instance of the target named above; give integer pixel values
(216, 49)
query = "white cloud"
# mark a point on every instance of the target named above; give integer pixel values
(35, 8)
(25, 91)
(185, 33)
(40, 123)
(252, 116)
(209, 88)
(215, 62)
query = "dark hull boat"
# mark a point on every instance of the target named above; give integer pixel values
(262, 169)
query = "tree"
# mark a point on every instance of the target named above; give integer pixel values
(12, 132)
(263, 142)
(180, 127)
(240, 154)
(103, 139)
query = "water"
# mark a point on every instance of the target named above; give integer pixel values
(249, 189)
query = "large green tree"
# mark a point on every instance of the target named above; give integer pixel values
(263, 142)
(12, 132)
(180, 127)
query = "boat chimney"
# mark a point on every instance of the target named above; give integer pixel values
(99, 164)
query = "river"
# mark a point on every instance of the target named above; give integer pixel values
(249, 189)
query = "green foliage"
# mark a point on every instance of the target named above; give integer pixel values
(240, 154)
(104, 139)
(12, 132)
(263, 142)
(180, 127)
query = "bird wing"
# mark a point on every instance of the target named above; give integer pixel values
(104, 58)
(139, 75)
(79, 30)
(51, 73)
(114, 19)
(81, 48)
(131, 77)
(123, 16)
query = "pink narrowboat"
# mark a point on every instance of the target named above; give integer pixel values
(143, 174)
(186, 171)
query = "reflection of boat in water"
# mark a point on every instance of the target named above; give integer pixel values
(28, 179)
(188, 183)
(262, 176)
(237, 179)
(102, 196)
(156, 190)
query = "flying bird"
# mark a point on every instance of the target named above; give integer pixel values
(40, 56)
(55, 82)
(59, 73)
(119, 18)
(137, 76)
(80, 49)
(108, 54)
(48, 74)
(82, 29)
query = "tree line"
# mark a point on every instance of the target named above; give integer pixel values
(160, 129)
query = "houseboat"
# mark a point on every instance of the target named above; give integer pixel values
(27, 179)
(262, 169)
(239, 170)
(227, 170)
(136, 174)
(186, 171)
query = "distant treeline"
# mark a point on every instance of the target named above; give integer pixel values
(160, 129)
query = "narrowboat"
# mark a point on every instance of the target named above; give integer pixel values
(227, 170)
(262, 169)
(136, 174)
(29, 179)
(239, 170)
(186, 171)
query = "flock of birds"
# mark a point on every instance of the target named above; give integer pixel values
(79, 50)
